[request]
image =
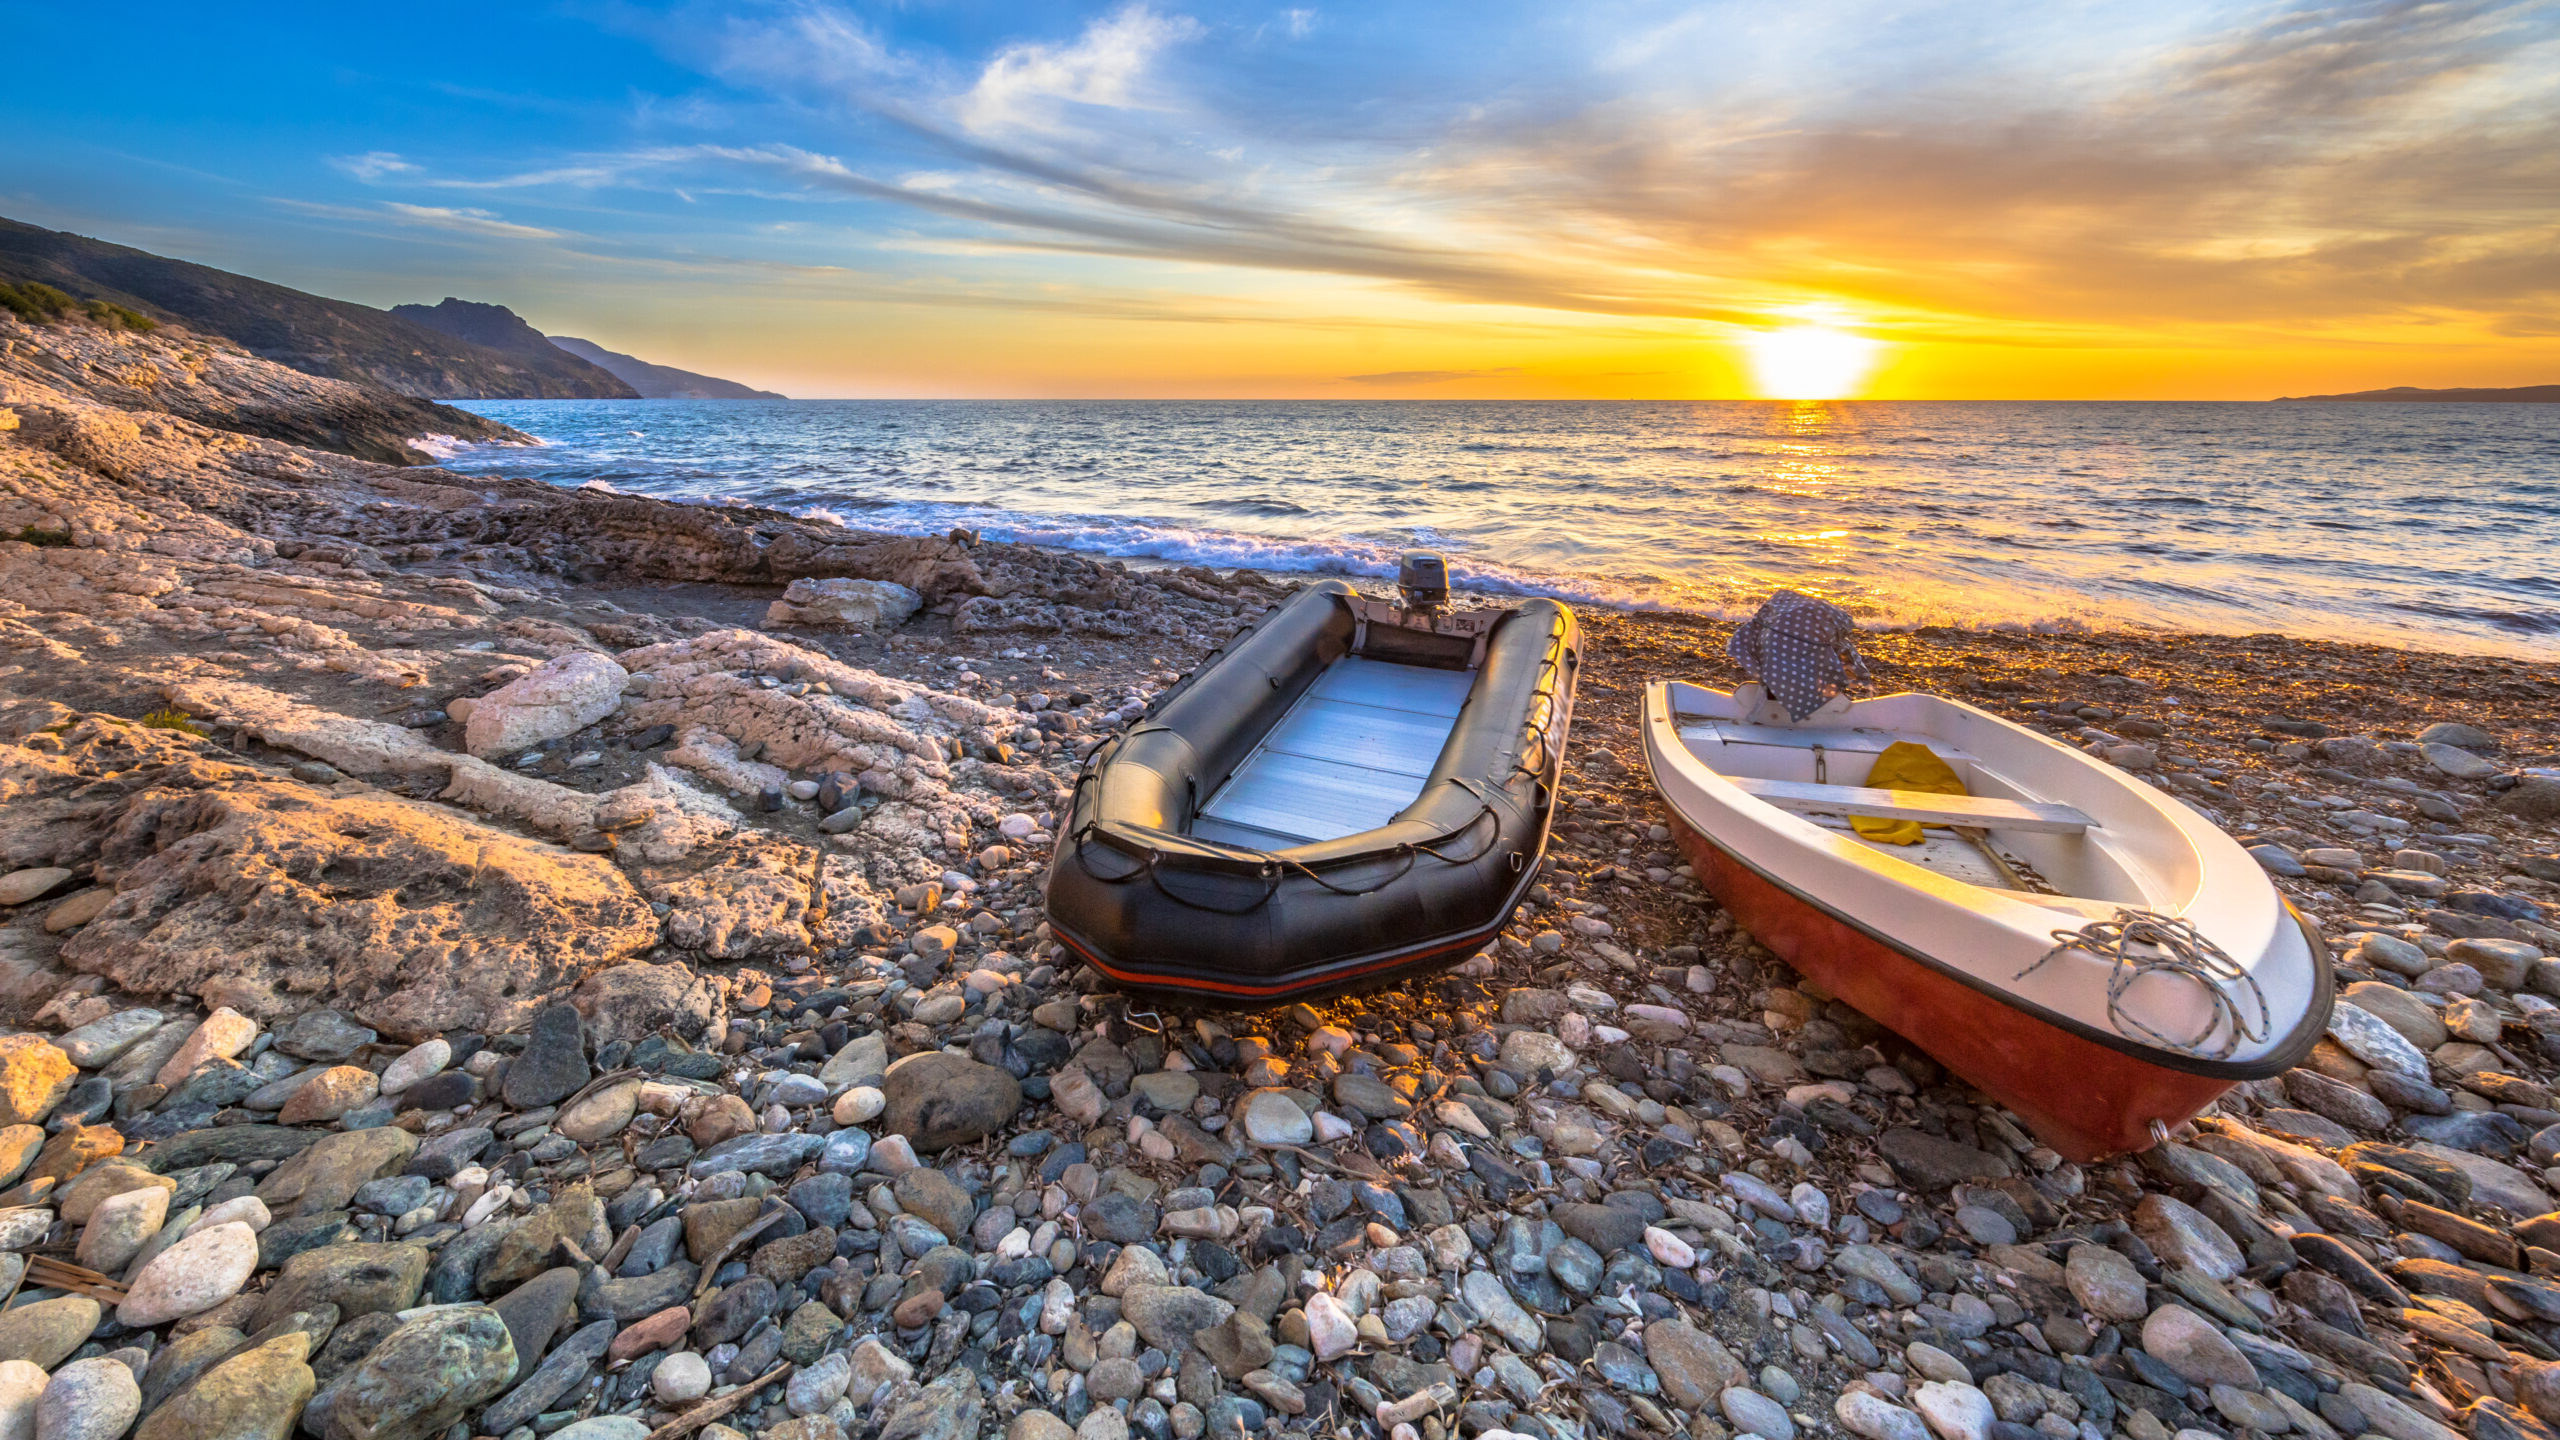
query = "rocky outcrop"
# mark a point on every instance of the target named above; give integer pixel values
(402, 774)
(272, 895)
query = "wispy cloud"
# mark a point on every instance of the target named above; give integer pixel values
(468, 222)
(1104, 66)
(373, 165)
(479, 224)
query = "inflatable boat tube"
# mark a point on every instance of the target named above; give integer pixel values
(1345, 795)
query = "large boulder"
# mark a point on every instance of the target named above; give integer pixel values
(845, 604)
(561, 696)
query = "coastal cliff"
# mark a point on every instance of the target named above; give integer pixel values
(513, 960)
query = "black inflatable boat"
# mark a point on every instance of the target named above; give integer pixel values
(1348, 793)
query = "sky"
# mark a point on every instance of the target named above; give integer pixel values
(1984, 199)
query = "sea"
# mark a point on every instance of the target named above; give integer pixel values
(2428, 525)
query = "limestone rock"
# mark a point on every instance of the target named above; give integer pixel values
(561, 696)
(846, 604)
(428, 921)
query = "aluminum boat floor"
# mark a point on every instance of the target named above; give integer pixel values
(1350, 755)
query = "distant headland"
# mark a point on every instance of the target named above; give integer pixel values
(2520, 394)
(458, 350)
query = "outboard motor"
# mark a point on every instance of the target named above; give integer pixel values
(1424, 578)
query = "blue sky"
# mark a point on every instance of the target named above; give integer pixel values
(1428, 199)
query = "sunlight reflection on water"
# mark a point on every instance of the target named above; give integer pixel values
(2412, 524)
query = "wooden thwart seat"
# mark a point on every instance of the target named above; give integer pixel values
(1973, 811)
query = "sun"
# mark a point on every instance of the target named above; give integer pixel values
(1811, 359)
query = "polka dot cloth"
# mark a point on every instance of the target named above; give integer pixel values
(1803, 650)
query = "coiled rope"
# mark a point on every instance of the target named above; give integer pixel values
(2142, 942)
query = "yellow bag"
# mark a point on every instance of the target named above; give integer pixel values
(1905, 766)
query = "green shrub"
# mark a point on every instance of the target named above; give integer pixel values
(33, 536)
(36, 302)
(40, 304)
(117, 317)
(173, 719)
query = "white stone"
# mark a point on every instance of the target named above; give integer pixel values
(2372, 1040)
(1331, 1331)
(21, 1384)
(1272, 1118)
(861, 1103)
(681, 1376)
(1872, 1417)
(417, 1063)
(1955, 1410)
(197, 1273)
(1669, 1249)
(1753, 1413)
(561, 696)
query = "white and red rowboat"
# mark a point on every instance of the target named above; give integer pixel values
(1940, 941)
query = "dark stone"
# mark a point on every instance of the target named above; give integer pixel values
(2328, 1254)
(558, 1374)
(734, 1310)
(537, 1310)
(640, 1296)
(554, 1062)
(1120, 1218)
(238, 1144)
(446, 1155)
(444, 1090)
(1932, 1163)
(1605, 1228)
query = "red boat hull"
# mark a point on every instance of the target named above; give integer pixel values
(2083, 1098)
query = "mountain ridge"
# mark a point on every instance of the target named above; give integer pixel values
(336, 339)
(660, 382)
(2515, 394)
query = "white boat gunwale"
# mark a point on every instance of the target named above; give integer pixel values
(1683, 779)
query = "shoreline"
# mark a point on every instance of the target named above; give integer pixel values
(484, 882)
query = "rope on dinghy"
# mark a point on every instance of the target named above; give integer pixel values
(2140, 943)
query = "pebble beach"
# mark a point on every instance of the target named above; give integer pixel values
(485, 959)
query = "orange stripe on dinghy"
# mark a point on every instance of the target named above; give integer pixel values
(1224, 987)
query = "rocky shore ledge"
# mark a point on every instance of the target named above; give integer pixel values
(488, 960)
